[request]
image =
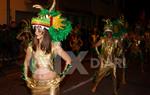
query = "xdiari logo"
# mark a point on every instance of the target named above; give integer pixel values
(77, 62)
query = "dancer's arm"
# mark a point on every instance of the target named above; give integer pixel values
(64, 55)
(99, 42)
(27, 61)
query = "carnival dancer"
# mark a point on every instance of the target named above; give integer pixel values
(135, 50)
(147, 46)
(39, 72)
(94, 37)
(75, 43)
(25, 36)
(106, 56)
(121, 33)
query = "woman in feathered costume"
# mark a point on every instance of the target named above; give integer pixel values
(50, 28)
(107, 55)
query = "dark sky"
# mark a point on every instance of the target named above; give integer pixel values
(129, 7)
(135, 8)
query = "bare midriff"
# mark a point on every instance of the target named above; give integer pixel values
(44, 74)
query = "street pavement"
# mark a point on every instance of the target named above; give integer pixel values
(137, 82)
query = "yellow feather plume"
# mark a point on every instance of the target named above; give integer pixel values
(57, 22)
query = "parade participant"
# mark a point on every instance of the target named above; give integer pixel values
(106, 56)
(94, 37)
(136, 51)
(75, 43)
(39, 72)
(121, 33)
(25, 36)
(147, 46)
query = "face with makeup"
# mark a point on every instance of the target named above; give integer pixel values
(109, 34)
(39, 32)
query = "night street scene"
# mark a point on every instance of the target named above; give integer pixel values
(74, 47)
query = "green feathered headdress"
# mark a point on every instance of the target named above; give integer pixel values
(57, 26)
(111, 25)
(108, 27)
(119, 24)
